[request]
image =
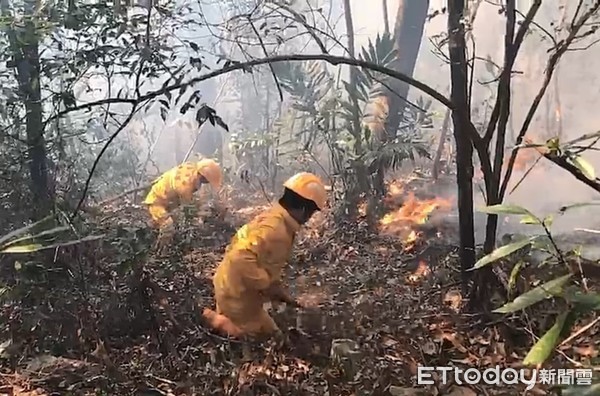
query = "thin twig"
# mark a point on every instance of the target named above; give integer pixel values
(527, 172)
(550, 68)
(97, 160)
(262, 45)
(512, 56)
(246, 66)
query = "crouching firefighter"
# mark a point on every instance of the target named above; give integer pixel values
(250, 272)
(176, 187)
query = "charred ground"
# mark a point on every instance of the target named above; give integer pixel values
(118, 318)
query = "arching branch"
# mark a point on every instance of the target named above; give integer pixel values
(246, 66)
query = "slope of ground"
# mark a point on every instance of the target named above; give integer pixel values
(121, 319)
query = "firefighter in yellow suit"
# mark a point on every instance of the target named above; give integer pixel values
(177, 186)
(250, 273)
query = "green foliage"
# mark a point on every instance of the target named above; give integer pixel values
(505, 209)
(34, 237)
(252, 148)
(542, 292)
(512, 280)
(545, 345)
(327, 115)
(369, 85)
(579, 303)
(587, 301)
(584, 166)
(502, 252)
(307, 83)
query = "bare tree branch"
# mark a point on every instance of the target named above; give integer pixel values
(332, 59)
(504, 94)
(519, 38)
(262, 45)
(551, 66)
(310, 29)
(563, 162)
(97, 161)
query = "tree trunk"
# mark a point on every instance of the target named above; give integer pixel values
(504, 99)
(24, 44)
(350, 32)
(440, 149)
(408, 33)
(361, 174)
(464, 149)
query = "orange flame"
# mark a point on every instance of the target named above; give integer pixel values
(396, 188)
(412, 212)
(421, 272)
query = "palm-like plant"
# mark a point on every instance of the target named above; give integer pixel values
(372, 92)
(310, 87)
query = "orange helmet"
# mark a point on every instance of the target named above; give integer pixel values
(211, 172)
(308, 186)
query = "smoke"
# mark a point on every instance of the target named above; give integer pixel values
(546, 188)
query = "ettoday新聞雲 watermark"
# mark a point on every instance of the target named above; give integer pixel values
(505, 376)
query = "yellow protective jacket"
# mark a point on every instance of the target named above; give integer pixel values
(253, 264)
(176, 185)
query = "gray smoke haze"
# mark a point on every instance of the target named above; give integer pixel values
(543, 192)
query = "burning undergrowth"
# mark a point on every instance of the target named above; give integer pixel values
(414, 216)
(392, 296)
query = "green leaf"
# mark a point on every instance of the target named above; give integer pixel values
(23, 230)
(512, 280)
(506, 209)
(34, 247)
(585, 167)
(40, 235)
(502, 251)
(529, 219)
(542, 242)
(542, 292)
(589, 300)
(553, 144)
(548, 220)
(545, 345)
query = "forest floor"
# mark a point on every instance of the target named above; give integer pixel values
(119, 318)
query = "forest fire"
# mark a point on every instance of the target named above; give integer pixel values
(413, 212)
(420, 272)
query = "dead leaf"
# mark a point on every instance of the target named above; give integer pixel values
(587, 351)
(100, 352)
(453, 298)
(429, 348)
(455, 340)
